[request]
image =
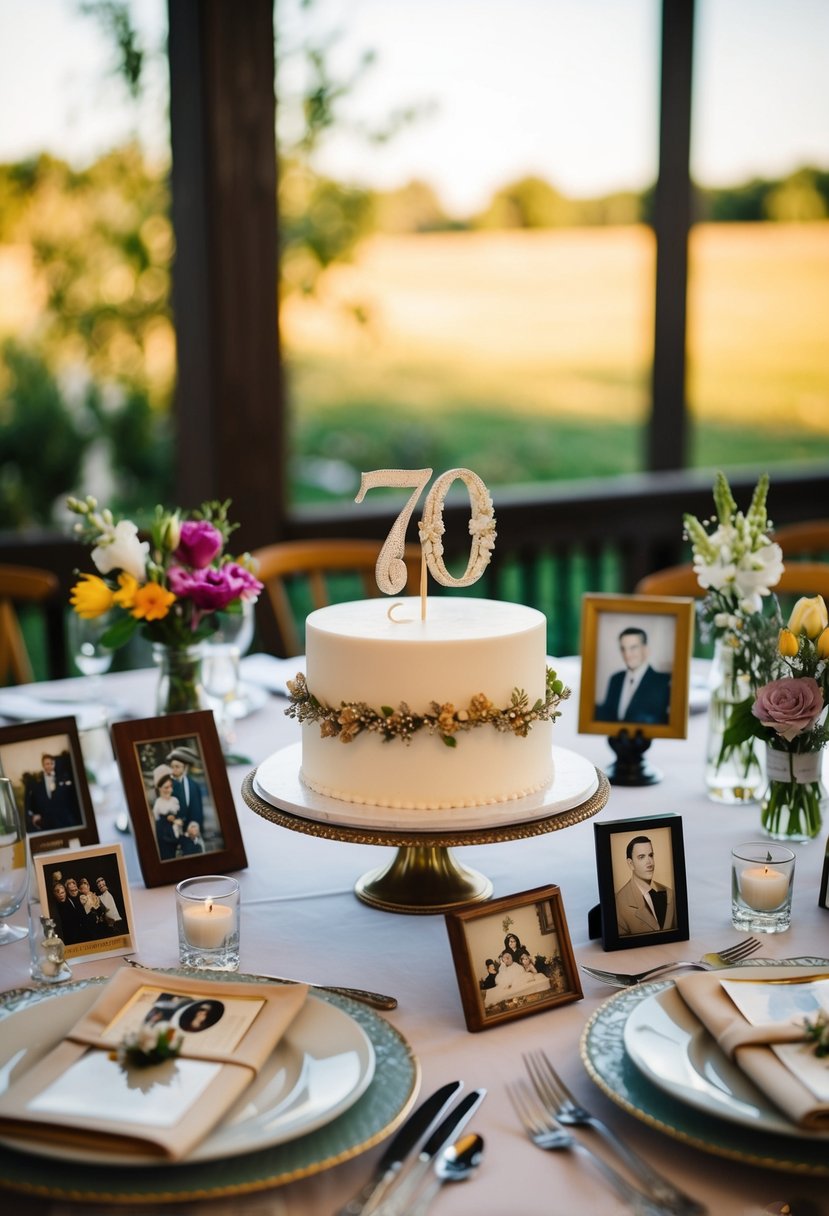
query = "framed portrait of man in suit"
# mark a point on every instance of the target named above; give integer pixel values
(636, 659)
(44, 762)
(643, 895)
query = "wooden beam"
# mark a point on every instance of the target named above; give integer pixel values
(229, 409)
(667, 437)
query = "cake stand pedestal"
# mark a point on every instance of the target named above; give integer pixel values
(424, 877)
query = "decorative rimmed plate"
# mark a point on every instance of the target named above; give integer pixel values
(384, 1103)
(609, 1065)
(278, 782)
(672, 1048)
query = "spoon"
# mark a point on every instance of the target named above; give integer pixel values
(455, 1164)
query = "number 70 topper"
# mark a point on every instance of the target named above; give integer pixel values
(390, 571)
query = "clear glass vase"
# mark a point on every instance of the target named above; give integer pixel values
(795, 798)
(179, 678)
(735, 776)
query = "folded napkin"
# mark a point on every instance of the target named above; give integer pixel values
(79, 1094)
(750, 1046)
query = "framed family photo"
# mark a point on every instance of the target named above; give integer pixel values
(88, 898)
(636, 662)
(44, 762)
(513, 957)
(643, 891)
(179, 798)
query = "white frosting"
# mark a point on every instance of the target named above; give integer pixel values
(463, 648)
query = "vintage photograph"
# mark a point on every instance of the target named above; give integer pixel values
(87, 895)
(636, 656)
(513, 956)
(178, 796)
(642, 884)
(44, 763)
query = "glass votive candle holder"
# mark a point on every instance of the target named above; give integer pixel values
(762, 878)
(207, 911)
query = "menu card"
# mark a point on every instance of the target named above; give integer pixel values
(759, 1024)
(80, 1093)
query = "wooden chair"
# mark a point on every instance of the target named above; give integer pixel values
(798, 578)
(809, 539)
(20, 585)
(317, 565)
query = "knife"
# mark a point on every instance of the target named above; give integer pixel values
(390, 1164)
(444, 1133)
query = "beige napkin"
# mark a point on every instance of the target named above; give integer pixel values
(78, 1094)
(748, 1047)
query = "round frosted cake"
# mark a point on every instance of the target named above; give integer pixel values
(448, 712)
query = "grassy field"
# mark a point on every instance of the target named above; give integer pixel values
(526, 355)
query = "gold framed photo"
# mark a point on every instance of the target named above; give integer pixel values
(636, 662)
(513, 956)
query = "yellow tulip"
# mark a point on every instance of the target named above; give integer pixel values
(152, 602)
(124, 597)
(787, 644)
(91, 597)
(809, 616)
(822, 645)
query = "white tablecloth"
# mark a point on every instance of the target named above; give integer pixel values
(301, 918)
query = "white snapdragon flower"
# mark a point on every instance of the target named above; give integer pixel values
(119, 548)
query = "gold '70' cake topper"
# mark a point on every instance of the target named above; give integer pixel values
(390, 570)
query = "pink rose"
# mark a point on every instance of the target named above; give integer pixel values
(789, 706)
(199, 542)
(249, 586)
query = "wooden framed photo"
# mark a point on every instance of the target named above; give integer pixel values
(178, 797)
(88, 897)
(513, 957)
(643, 893)
(44, 762)
(636, 662)
(823, 895)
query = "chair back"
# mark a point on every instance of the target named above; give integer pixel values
(20, 585)
(809, 539)
(300, 575)
(798, 578)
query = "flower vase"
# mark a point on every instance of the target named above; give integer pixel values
(795, 798)
(179, 678)
(735, 776)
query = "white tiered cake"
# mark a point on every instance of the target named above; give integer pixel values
(406, 713)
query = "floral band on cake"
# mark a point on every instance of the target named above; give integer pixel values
(353, 717)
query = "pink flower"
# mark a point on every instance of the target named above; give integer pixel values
(212, 590)
(789, 706)
(199, 542)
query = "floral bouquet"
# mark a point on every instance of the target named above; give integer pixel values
(737, 564)
(169, 587)
(788, 714)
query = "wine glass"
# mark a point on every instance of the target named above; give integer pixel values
(14, 871)
(91, 657)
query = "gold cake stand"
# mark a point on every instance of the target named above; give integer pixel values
(423, 877)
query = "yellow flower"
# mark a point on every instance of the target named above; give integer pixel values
(787, 644)
(124, 597)
(91, 597)
(809, 616)
(152, 602)
(822, 645)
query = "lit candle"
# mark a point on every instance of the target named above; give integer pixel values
(207, 924)
(764, 888)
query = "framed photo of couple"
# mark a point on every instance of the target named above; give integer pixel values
(179, 797)
(636, 661)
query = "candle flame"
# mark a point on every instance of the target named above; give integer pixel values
(209, 905)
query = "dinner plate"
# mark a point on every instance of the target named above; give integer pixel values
(317, 1070)
(610, 1066)
(278, 781)
(245, 1162)
(672, 1048)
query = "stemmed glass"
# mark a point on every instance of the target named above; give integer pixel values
(14, 871)
(91, 657)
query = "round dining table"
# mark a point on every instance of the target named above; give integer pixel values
(301, 918)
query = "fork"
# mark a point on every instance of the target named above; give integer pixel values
(559, 1101)
(709, 962)
(548, 1134)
